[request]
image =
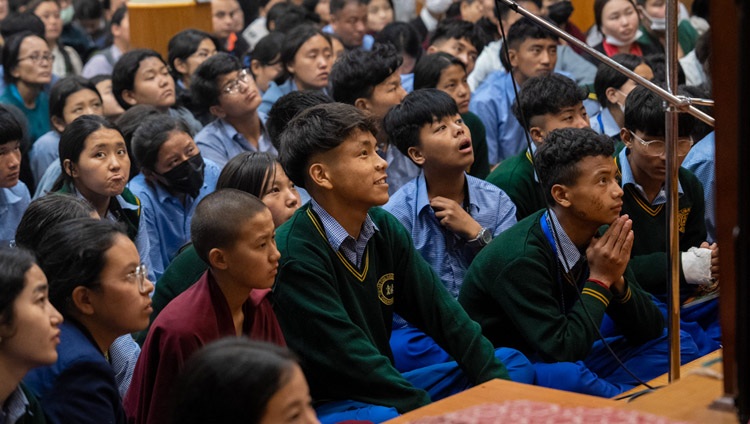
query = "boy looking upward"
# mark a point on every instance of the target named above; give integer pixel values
(547, 102)
(347, 266)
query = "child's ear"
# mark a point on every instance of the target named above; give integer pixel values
(362, 104)
(537, 135)
(432, 49)
(416, 155)
(70, 168)
(58, 123)
(560, 194)
(513, 58)
(180, 66)
(319, 176)
(217, 111)
(81, 298)
(611, 94)
(217, 259)
(129, 97)
(626, 138)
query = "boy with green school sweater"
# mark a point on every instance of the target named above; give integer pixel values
(544, 286)
(547, 102)
(346, 267)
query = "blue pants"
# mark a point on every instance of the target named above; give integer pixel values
(701, 321)
(599, 374)
(438, 380)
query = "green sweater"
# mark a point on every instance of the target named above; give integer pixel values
(515, 176)
(338, 319)
(648, 256)
(481, 166)
(512, 290)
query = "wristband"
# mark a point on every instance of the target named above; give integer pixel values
(599, 283)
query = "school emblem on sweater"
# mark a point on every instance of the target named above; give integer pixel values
(682, 217)
(385, 289)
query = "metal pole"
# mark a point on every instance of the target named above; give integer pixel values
(681, 103)
(673, 240)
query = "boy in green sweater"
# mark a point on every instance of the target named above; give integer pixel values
(548, 102)
(347, 266)
(544, 286)
(642, 166)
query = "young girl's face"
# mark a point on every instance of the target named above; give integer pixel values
(453, 81)
(291, 403)
(280, 195)
(103, 166)
(82, 102)
(379, 14)
(110, 107)
(264, 74)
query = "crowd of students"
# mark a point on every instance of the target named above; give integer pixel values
(336, 210)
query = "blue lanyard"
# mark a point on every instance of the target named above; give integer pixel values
(601, 124)
(544, 222)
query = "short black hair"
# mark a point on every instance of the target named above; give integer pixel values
(128, 123)
(14, 263)
(607, 77)
(278, 9)
(450, 29)
(153, 132)
(318, 130)
(287, 107)
(217, 218)
(419, 108)
(268, 50)
(557, 159)
(292, 43)
(546, 94)
(88, 9)
(501, 9)
(123, 74)
(428, 70)
(11, 50)
(658, 64)
(522, 30)
(645, 112)
(403, 36)
(22, 22)
(63, 89)
(46, 212)
(357, 72)
(183, 45)
(337, 5)
(204, 85)
(248, 172)
(10, 128)
(293, 17)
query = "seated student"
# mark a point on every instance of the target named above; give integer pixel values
(653, 26)
(227, 20)
(69, 98)
(379, 14)
(371, 82)
(429, 17)
(450, 216)
(228, 92)
(97, 283)
(643, 175)
(103, 62)
(287, 107)
(236, 380)
(40, 217)
(174, 178)
(29, 333)
(349, 23)
(142, 77)
(406, 40)
(547, 103)
(110, 108)
(252, 172)
(347, 267)
(265, 60)
(617, 21)
(460, 39)
(306, 57)
(612, 88)
(233, 232)
(578, 278)
(14, 195)
(65, 60)
(533, 52)
(448, 74)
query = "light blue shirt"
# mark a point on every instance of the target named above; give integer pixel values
(123, 354)
(407, 82)
(43, 152)
(13, 203)
(219, 141)
(340, 240)
(447, 252)
(367, 41)
(15, 406)
(628, 178)
(604, 123)
(274, 92)
(400, 169)
(701, 162)
(166, 219)
(45, 183)
(493, 102)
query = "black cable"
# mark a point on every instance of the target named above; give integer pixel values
(524, 124)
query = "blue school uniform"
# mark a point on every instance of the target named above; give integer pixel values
(13, 203)
(43, 152)
(701, 162)
(219, 142)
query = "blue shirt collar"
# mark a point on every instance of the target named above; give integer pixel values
(9, 196)
(627, 177)
(423, 200)
(567, 252)
(15, 406)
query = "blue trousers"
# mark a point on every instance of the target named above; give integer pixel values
(701, 321)
(438, 380)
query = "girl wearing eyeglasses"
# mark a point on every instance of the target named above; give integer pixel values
(98, 284)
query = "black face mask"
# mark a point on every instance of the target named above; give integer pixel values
(187, 177)
(560, 12)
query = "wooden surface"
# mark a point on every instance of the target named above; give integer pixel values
(152, 25)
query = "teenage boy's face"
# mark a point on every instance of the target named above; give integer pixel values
(253, 260)
(153, 85)
(223, 15)
(243, 97)
(596, 196)
(350, 23)
(568, 117)
(460, 48)
(10, 163)
(532, 58)
(356, 172)
(649, 163)
(444, 144)
(385, 95)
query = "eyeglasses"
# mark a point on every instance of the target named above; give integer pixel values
(234, 86)
(37, 58)
(140, 275)
(659, 147)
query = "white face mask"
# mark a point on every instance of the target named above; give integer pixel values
(67, 14)
(438, 6)
(657, 24)
(619, 43)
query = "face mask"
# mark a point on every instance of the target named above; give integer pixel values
(438, 6)
(67, 14)
(560, 12)
(186, 177)
(618, 43)
(657, 24)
